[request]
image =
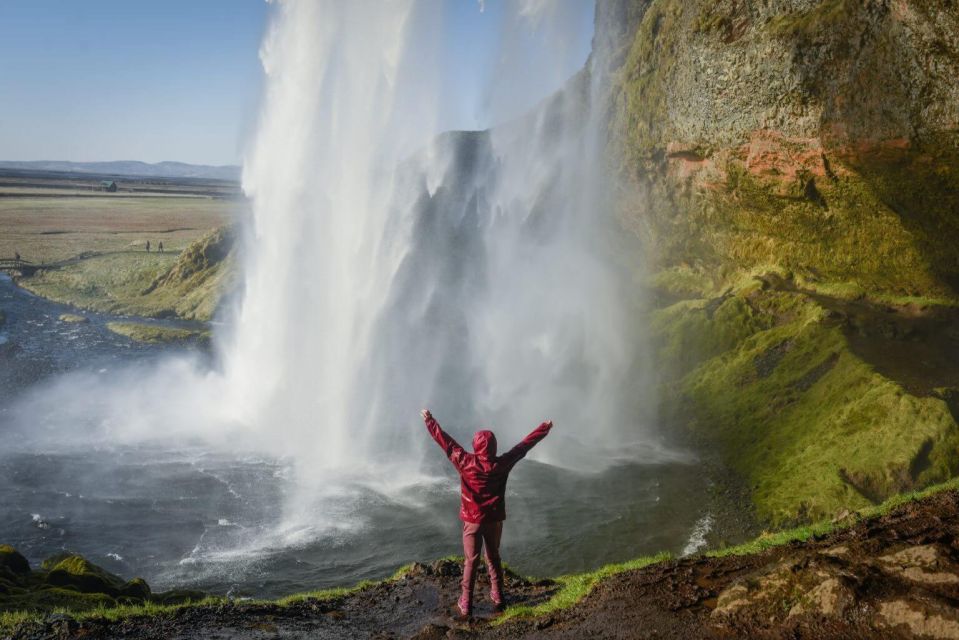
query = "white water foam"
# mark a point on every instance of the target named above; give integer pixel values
(697, 538)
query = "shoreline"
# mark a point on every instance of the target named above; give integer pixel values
(742, 586)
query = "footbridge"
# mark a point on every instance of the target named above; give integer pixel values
(18, 266)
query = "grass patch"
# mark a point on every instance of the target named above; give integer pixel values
(189, 284)
(825, 527)
(574, 588)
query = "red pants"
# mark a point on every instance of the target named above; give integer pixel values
(474, 537)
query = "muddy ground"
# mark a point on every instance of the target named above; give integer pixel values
(892, 577)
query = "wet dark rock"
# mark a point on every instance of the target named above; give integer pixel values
(12, 562)
(446, 567)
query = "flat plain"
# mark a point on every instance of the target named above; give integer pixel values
(50, 219)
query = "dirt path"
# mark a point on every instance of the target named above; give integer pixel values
(892, 577)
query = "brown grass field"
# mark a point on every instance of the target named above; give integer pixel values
(47, 229)
(50, 222)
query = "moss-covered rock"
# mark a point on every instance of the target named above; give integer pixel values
(73, 318)
(815, 140)
(151, 333)
(78, 573)
(11, 561)
(67, 581)
(813, 413)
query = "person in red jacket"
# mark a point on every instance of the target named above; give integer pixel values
(482, 501)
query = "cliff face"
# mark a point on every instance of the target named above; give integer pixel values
(793, 166)
(816, 135)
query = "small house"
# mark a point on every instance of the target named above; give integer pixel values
(108, 185)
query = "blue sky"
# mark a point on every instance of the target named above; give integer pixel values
(153, 80)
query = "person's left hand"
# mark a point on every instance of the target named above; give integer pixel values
(426, 414)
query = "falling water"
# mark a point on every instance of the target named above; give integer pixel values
(393, 268)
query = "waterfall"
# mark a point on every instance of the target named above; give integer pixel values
(393, 263)
(392, 268)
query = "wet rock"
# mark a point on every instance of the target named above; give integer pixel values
(829, 598)
(72, 318)
(12, 561)
(447, 567)
(926, 564)
(431, 632)
(78, 573)
(919, 620)
(838, 551)
(137, 589)
(731, 599)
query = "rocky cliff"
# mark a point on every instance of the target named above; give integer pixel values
(793, 168)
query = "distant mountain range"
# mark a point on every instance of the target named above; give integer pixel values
(131, 168)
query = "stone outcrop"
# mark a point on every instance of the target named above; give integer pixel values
(793, 168)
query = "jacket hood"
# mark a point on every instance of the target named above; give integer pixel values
(484, 444)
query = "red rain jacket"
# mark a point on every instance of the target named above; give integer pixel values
(483, 474)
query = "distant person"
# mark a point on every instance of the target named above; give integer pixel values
(148, 246)
(16, 256)
(482, 501)
(160, 246)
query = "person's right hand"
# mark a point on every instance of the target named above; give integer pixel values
(426, 414)
(549, 424)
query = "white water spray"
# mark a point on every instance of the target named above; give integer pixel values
(393, 269)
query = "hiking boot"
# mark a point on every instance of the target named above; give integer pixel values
(464, 606)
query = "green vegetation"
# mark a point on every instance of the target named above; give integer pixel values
(770, 377)
(188, 285)
(641, 90)
(824, 16)
(69, 583)
(574, 588)
(72, 318)
(152, 333)
(825, 527)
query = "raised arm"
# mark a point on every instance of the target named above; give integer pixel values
(517, 453)
(450, 447)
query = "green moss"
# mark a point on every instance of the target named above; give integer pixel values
(641, 90)
(752, 223)
(11, 561)
(823, 17)
(771, 379)
(79, 573)
(573, 588)
(151, 333)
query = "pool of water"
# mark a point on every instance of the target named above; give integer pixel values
(183, 514)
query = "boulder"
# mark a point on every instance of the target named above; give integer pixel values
(78, 573)
(12, 561)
